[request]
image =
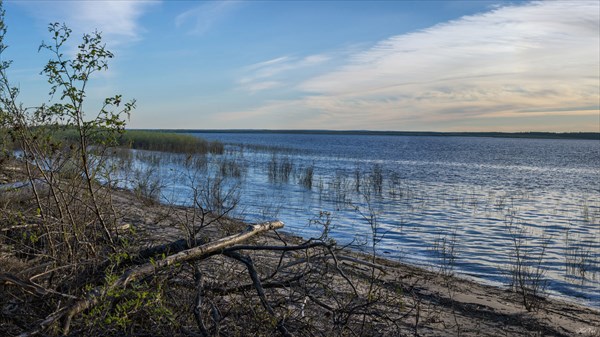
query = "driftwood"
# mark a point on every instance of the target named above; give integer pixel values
(29, 286)
(93, 297)
(246, 260)
(10, 228)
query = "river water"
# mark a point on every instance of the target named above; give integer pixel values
(462, 205)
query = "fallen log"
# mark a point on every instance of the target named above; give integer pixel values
(93, 297)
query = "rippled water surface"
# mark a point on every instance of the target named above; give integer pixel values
(450, 203)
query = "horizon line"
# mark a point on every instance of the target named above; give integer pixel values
(514, 134)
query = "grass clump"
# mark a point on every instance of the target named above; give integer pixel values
(168, 142)
(64, 136)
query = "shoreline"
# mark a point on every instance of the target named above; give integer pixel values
(415, 300)
(451, 298)
(553, 295)
(548, 294)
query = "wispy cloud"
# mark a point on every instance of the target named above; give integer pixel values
(202, 18)
(279, 72)
(527, 61)
(117, 20)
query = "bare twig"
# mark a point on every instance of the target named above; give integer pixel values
(246, 260)
(93, 297)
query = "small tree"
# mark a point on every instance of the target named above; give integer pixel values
(60, 142)
(70, 77)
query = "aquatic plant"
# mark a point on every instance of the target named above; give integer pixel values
(306, 177)
(280, 169)
(376, 178)
(580, 260)
(231, 168)
(527, 266)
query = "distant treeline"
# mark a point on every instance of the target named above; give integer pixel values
(542, 135)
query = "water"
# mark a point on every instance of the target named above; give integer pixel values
(449, 203)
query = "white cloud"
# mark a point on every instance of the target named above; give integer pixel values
(528, 61)
(267, 63)
(117, 20)
(260, 86)
(526, 43)
(279, 72)
(203, 17)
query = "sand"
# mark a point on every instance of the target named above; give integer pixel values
(434, 303)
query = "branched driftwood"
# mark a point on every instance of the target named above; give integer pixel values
(199, 284)
(27, 285)
(247, 261)
(93, 297)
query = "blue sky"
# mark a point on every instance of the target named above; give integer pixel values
(376, 65)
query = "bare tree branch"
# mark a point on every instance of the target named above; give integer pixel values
(95, 295)
(246, 260)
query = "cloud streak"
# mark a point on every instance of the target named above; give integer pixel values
(276, 73)
(117, 20)
(526, 61)
(202, 18)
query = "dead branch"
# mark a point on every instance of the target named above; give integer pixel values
(93, 297)
(198, 301)
(29, 286)
(10, 228)
(246, 260)
(353, 262)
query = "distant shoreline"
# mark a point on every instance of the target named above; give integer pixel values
(535, 135)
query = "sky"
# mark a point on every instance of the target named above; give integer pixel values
(509, 66)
